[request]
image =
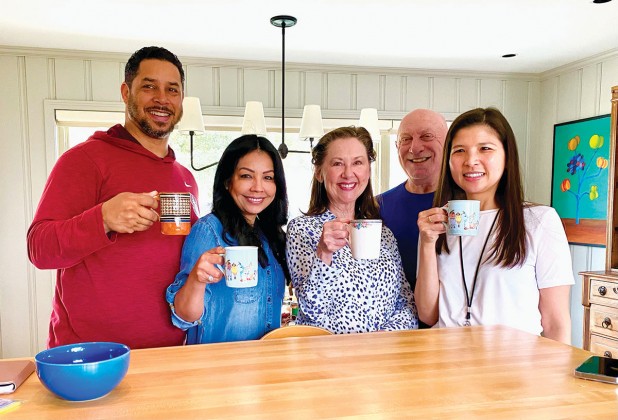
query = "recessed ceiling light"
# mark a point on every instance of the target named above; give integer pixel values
(509, 55)
(601, 1)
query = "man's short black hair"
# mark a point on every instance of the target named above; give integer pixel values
(157, 53)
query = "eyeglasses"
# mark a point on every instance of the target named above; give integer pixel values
(407, 140)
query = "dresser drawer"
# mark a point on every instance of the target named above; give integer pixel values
(604, 320)
(604, 346)
(604, 292)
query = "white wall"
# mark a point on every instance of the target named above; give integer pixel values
(579, 90)
(28, 77)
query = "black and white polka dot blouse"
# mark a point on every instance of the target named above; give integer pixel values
(349, 296)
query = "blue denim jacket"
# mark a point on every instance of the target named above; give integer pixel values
(229, 314)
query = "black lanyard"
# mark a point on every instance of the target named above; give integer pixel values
(470, 296)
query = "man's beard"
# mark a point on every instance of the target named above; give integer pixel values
(145, 125)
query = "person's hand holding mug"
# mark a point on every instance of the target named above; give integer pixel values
(335, 234)
(130, 212)
(189, 300)
(205, 269)
(431, 224)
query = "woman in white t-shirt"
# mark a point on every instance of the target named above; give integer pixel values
(517, 270)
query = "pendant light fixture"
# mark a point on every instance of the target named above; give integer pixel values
(283, 21)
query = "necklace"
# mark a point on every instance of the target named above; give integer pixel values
(470, 296)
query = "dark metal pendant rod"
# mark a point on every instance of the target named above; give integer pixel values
(283, 21)
(283, 83)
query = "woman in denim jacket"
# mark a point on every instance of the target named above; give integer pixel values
(249, 208)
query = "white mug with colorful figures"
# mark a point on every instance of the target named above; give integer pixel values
(241, 266)
(463, 217)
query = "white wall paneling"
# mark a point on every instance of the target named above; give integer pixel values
(590, 90)
(492, 93)
(339, 94)
(256, 85)
(569, 88)
(516, 105)
(540, 160)
(201, 82)
(609, 78)
(368, 91)
(17, 311)
(108, 76)
(533, 139)
(393, 94)
(417, 93)
(469, 94)
(446, 94)
(293, 85)
(314, 88)
(70, 79)
(34, 83)
(228, 87)
(38, 85)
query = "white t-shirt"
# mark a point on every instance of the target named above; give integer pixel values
(507, 296)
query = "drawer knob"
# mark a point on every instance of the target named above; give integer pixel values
(607, 323)
(607, 354)
(602, 290)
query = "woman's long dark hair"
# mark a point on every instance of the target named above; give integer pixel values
(270, 221)
(366, 206)
(509, 249)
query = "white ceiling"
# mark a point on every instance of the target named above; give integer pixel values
(416, 34)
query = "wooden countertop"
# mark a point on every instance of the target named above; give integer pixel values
(475, 372)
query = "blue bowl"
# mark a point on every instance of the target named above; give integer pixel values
(83, 371)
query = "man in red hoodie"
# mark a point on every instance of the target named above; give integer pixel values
(97, 222)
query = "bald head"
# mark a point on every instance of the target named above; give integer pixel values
(420, 142)
(424, 118)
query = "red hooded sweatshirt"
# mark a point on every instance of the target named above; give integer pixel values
(109, 287)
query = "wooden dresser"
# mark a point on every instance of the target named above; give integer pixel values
(600, 288)
(600, 300)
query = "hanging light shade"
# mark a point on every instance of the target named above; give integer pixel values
(369, 120)
(254, 121)
(311, 124)
(192, 119)
(192, 123)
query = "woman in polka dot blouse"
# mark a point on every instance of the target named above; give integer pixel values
(336, 291)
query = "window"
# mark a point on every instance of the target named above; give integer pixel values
(208, 148)
(396, 173)
(74, 127)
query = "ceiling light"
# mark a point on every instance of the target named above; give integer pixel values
(311, 125)
(192, 123)
(283, 21)
(254, 122)
(369, 120)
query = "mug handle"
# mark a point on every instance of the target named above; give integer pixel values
(445, 208)
(195, 206)
(222, 269)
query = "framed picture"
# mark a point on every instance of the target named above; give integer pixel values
(579, 178)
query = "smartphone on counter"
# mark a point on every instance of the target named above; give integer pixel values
(599, 368)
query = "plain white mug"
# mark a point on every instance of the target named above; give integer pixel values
(365, 238)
